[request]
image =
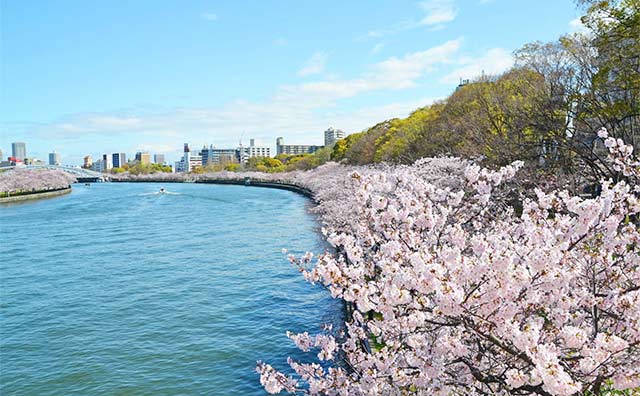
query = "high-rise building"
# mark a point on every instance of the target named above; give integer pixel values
(194, 161)
(19, 150)
(205, 153)
(54, 159)
(158, 159)
(106, 163)
(188, 161)
(119, 159)
(88, 162)
(294, 149)
(216, 156)
(143, 157)
(332, 135)
(98, 166)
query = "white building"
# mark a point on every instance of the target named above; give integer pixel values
(106, 162)
(98, 166)
(332, 135)
(188, 161)
(159, 159)
(103, 164)
(244, 153)
(294, 149)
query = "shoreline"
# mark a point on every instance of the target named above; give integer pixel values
(238, 182)
(264, 184)
(35, 195)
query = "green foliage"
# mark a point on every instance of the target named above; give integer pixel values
(490, 118)
(359, 148)
(264, 164)
(376, 345)
(402, 140)
(290, 162)
(497, 118)
(307, 161)
(340, 148)
(213, 168)
(145, 169)
(232, 167)
(612, 95)
(607, 390)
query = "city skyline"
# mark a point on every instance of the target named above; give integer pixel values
(147, 77)
(331, 135)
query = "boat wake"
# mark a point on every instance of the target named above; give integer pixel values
(160, 193)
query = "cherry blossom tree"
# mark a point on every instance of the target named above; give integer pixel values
(29, 180)
(458, 289)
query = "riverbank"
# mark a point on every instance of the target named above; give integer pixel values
(35, 195)
(22, 184)
(240, 182)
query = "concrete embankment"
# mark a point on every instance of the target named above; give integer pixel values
(35, 195)
(266, 184)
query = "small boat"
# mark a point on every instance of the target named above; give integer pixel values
(87, 184)
(162, 191)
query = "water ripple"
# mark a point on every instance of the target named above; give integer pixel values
(116, 290)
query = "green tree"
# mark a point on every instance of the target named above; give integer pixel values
(233, 167)
(264, 164)
(593, 80)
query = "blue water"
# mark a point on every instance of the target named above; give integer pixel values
(116, 290)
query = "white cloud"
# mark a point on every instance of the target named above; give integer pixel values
(402, 72)
(314, 65)
(494, 61)
(293, 107)
(164, 132)
(393, 73)
(576, 26)
(438, 12)
(298, 112)
(209, 16)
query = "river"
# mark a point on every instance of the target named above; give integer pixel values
(117, 290)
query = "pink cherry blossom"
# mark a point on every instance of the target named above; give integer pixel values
(456, 292)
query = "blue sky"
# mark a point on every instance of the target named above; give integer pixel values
(87, 77)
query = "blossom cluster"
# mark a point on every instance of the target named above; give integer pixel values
(23, 180)
(459, 289)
